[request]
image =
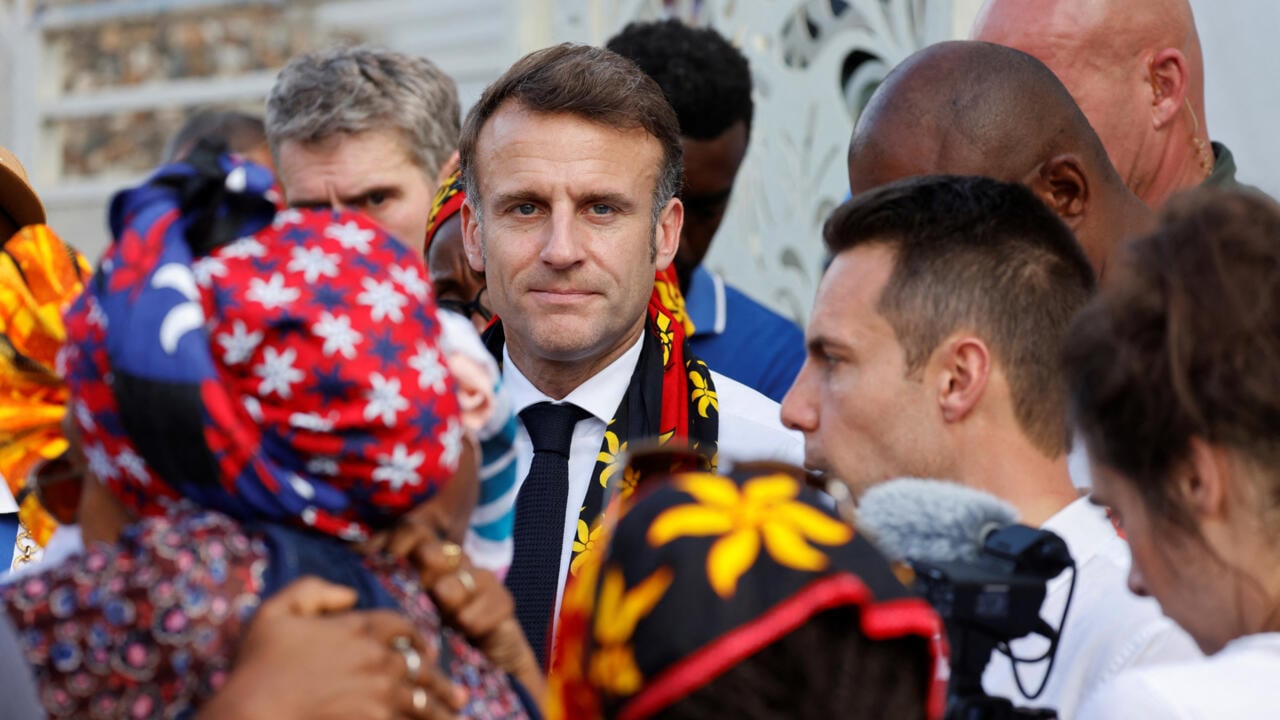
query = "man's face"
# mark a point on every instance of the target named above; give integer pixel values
(565, 238)
(451, 277)
(371, 171)
(864, 421)
(710, 167)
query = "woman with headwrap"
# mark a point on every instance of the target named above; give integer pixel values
(259, 391)
(741, 596)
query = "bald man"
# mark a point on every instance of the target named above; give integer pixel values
(1135, 69)
(971, 108)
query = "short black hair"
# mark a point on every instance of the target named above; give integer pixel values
(978, 254)
(705, 78)
(235, 131)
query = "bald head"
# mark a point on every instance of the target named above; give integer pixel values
(1135, 69)
(971, 108)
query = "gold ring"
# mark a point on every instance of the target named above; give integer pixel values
(412, 660)
(467, 579)
(419, 699)
(453, 553)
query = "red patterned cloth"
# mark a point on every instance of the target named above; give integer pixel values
(292, 375)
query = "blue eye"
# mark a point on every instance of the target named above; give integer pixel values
(601, 209)
(526, 209)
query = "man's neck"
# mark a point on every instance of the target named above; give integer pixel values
(1018, 473)
(555, 378)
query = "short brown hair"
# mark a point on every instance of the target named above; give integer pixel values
(1184, 343)
(978, 254)
(592, 83)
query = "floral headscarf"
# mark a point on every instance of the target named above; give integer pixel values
(704, 571)
(39, 277)
(279, 367)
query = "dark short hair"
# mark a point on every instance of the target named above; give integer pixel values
(705, 78)
(235, 131)
(830, 661)
(978, 254)
(1183, 343)
(591, 83)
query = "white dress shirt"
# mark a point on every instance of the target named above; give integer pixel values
(1237, 683)
(1108, 628)
(750, 429)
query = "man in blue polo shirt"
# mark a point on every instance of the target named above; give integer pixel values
(708, 83)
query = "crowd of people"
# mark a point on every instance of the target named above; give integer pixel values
(371, 410)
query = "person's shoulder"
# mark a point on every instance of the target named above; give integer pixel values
(1137, 694)
(751, 425)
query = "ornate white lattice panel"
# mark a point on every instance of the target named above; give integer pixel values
(814, 64)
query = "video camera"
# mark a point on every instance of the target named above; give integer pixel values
(989, 602)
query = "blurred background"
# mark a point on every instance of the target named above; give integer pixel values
(96, 87)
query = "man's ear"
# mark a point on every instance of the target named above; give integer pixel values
(961, 366)
(1167, 77)
(472, 244)
(1062, 184)
(667, 234)
(1202, 481)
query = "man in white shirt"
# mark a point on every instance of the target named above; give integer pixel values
(933, 352)
(572, 162)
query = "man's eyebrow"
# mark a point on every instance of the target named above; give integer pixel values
(354, 198)
(607, 198)
(818, 343)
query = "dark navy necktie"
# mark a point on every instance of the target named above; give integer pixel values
(540, 510)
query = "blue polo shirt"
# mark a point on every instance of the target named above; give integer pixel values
(738, 337)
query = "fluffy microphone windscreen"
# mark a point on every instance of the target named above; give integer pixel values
(930, 520)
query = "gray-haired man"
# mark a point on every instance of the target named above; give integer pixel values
(365, 129)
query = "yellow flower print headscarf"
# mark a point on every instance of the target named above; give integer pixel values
(702, 572)
(39, 277)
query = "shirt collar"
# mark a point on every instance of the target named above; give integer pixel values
(1085, 528)
(704, 302)
(600, 395)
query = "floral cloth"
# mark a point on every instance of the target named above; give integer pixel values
(290, 375)
(147, 629)
(703, 572)
(40, 276)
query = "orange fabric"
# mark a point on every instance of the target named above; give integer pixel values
(40, 276)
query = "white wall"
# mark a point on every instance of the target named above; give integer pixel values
(1242, 92)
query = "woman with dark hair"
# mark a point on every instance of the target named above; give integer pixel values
(742, 596)
(1175, 385)
(252, 394)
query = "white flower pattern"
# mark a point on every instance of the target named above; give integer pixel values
(383, 300)
(351, 236)
(278, 373)
(313, 263)
(338, 335)
(385, 400)
(273, 293)
(400, 468)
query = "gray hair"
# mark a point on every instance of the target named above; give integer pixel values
(358, 89)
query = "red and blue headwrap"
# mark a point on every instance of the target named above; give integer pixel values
(280, 367)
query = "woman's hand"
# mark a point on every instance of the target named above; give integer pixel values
(471, 599)
(306, 655)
